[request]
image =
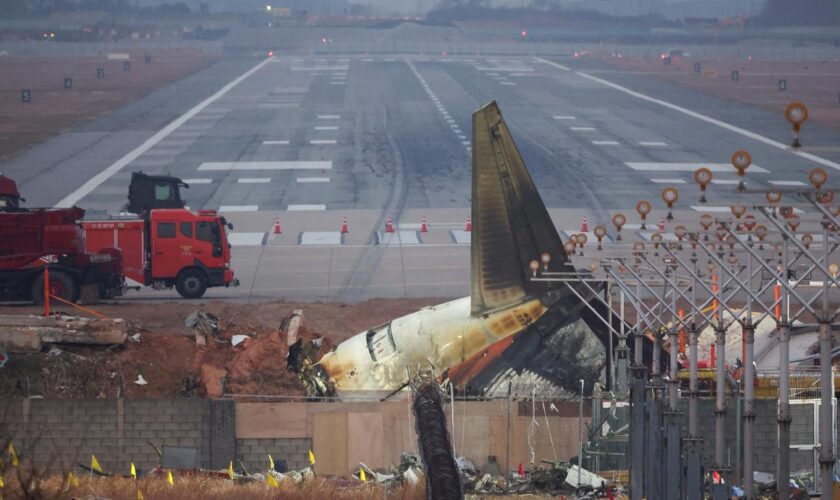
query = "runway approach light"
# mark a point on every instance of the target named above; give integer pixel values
(618, 221)
(268, 8)
(523, 33)
(643, 208)
(796, 113)
(670, 195)
(817, 177)
(741, 160)
(703, 176)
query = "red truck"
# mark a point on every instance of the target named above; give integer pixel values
(32, 240)
(164, 244)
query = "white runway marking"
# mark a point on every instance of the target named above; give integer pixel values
(507, 83)
(108, 172)
(605, 143)
(320, 238)
(713, 121)
(304, 180)
(320, 68)
(266, 165)
(668, 181)
(327, 128)
(238, 208)
(725, 182)
(246, 239)
(564, 117)
(275, 143)
(323, 141)
(688, 167)
(551, 63)
(703, 208)
(253, 180)
(465, 143)
(305, 208)
(336, 83)
(198, 181)
(583, 129)
(653, 144)
(787, 183)
(329, 117)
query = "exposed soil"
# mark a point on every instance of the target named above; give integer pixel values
(815, 83)
(172, 363)
(54, 108)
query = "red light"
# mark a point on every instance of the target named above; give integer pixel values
(662, 56)
(523, 33)
(270, 53)
(577, 54)
(619, 56)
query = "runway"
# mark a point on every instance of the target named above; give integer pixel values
(314, 141)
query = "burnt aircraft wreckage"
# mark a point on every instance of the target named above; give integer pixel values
(511, 227)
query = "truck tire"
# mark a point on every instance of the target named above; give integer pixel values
(191, 283)
(61, 285)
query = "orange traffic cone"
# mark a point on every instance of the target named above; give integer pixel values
(584, 225)
(344, 229)
(423, 227)
(389, 226)
(277, 229)
(468, 227)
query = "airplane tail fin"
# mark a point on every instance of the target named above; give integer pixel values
(511, 226)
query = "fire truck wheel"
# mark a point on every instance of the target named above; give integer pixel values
(191, 284)
(61, 285)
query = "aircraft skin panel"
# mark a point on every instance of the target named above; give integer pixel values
(511, 225)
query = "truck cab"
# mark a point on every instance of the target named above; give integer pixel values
(10, 199)
(189, 251)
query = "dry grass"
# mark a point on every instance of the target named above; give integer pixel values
(206, 488)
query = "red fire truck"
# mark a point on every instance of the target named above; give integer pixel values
(164, 244)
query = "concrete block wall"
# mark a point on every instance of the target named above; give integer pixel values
(253, 452)
(61, 434)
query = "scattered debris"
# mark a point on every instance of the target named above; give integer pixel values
(16, 332)
(135, 338)
(205, 325)
(586, 478)
(292, 324)
(140, 380)
(238, 339)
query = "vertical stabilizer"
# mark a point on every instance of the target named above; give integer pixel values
(511, 226)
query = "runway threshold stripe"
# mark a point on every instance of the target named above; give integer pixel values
(304, 180)
(275, 143)
(253, 180)
(746, 133)
(238, 208)
(107, 173)
(687, 167)
(305, 208)
(198, 181)
(323, 141)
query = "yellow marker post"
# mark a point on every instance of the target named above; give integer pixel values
(230, 470)
(139, 494)
(271, 481)
(311, 458)
(133, 471)
(94, 465)
(72, 481)
(13, 455)
(362, 475)
(270, 462)
(169, 478)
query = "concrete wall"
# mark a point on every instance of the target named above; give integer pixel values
(60, 434)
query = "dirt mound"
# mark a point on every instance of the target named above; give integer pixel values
(173, 364)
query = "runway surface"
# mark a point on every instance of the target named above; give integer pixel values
(314, 141)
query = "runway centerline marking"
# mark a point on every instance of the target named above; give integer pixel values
(564, 117)
(329, 117)
(714, 121)
(583, 129)
(253, 180)
(787, 183)
(198, 181)
(605, 143)
(277, 143)
(326, 127)
(266, 165)
(653, 144)
(108, 172)
(304, 180)
(323, 141)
